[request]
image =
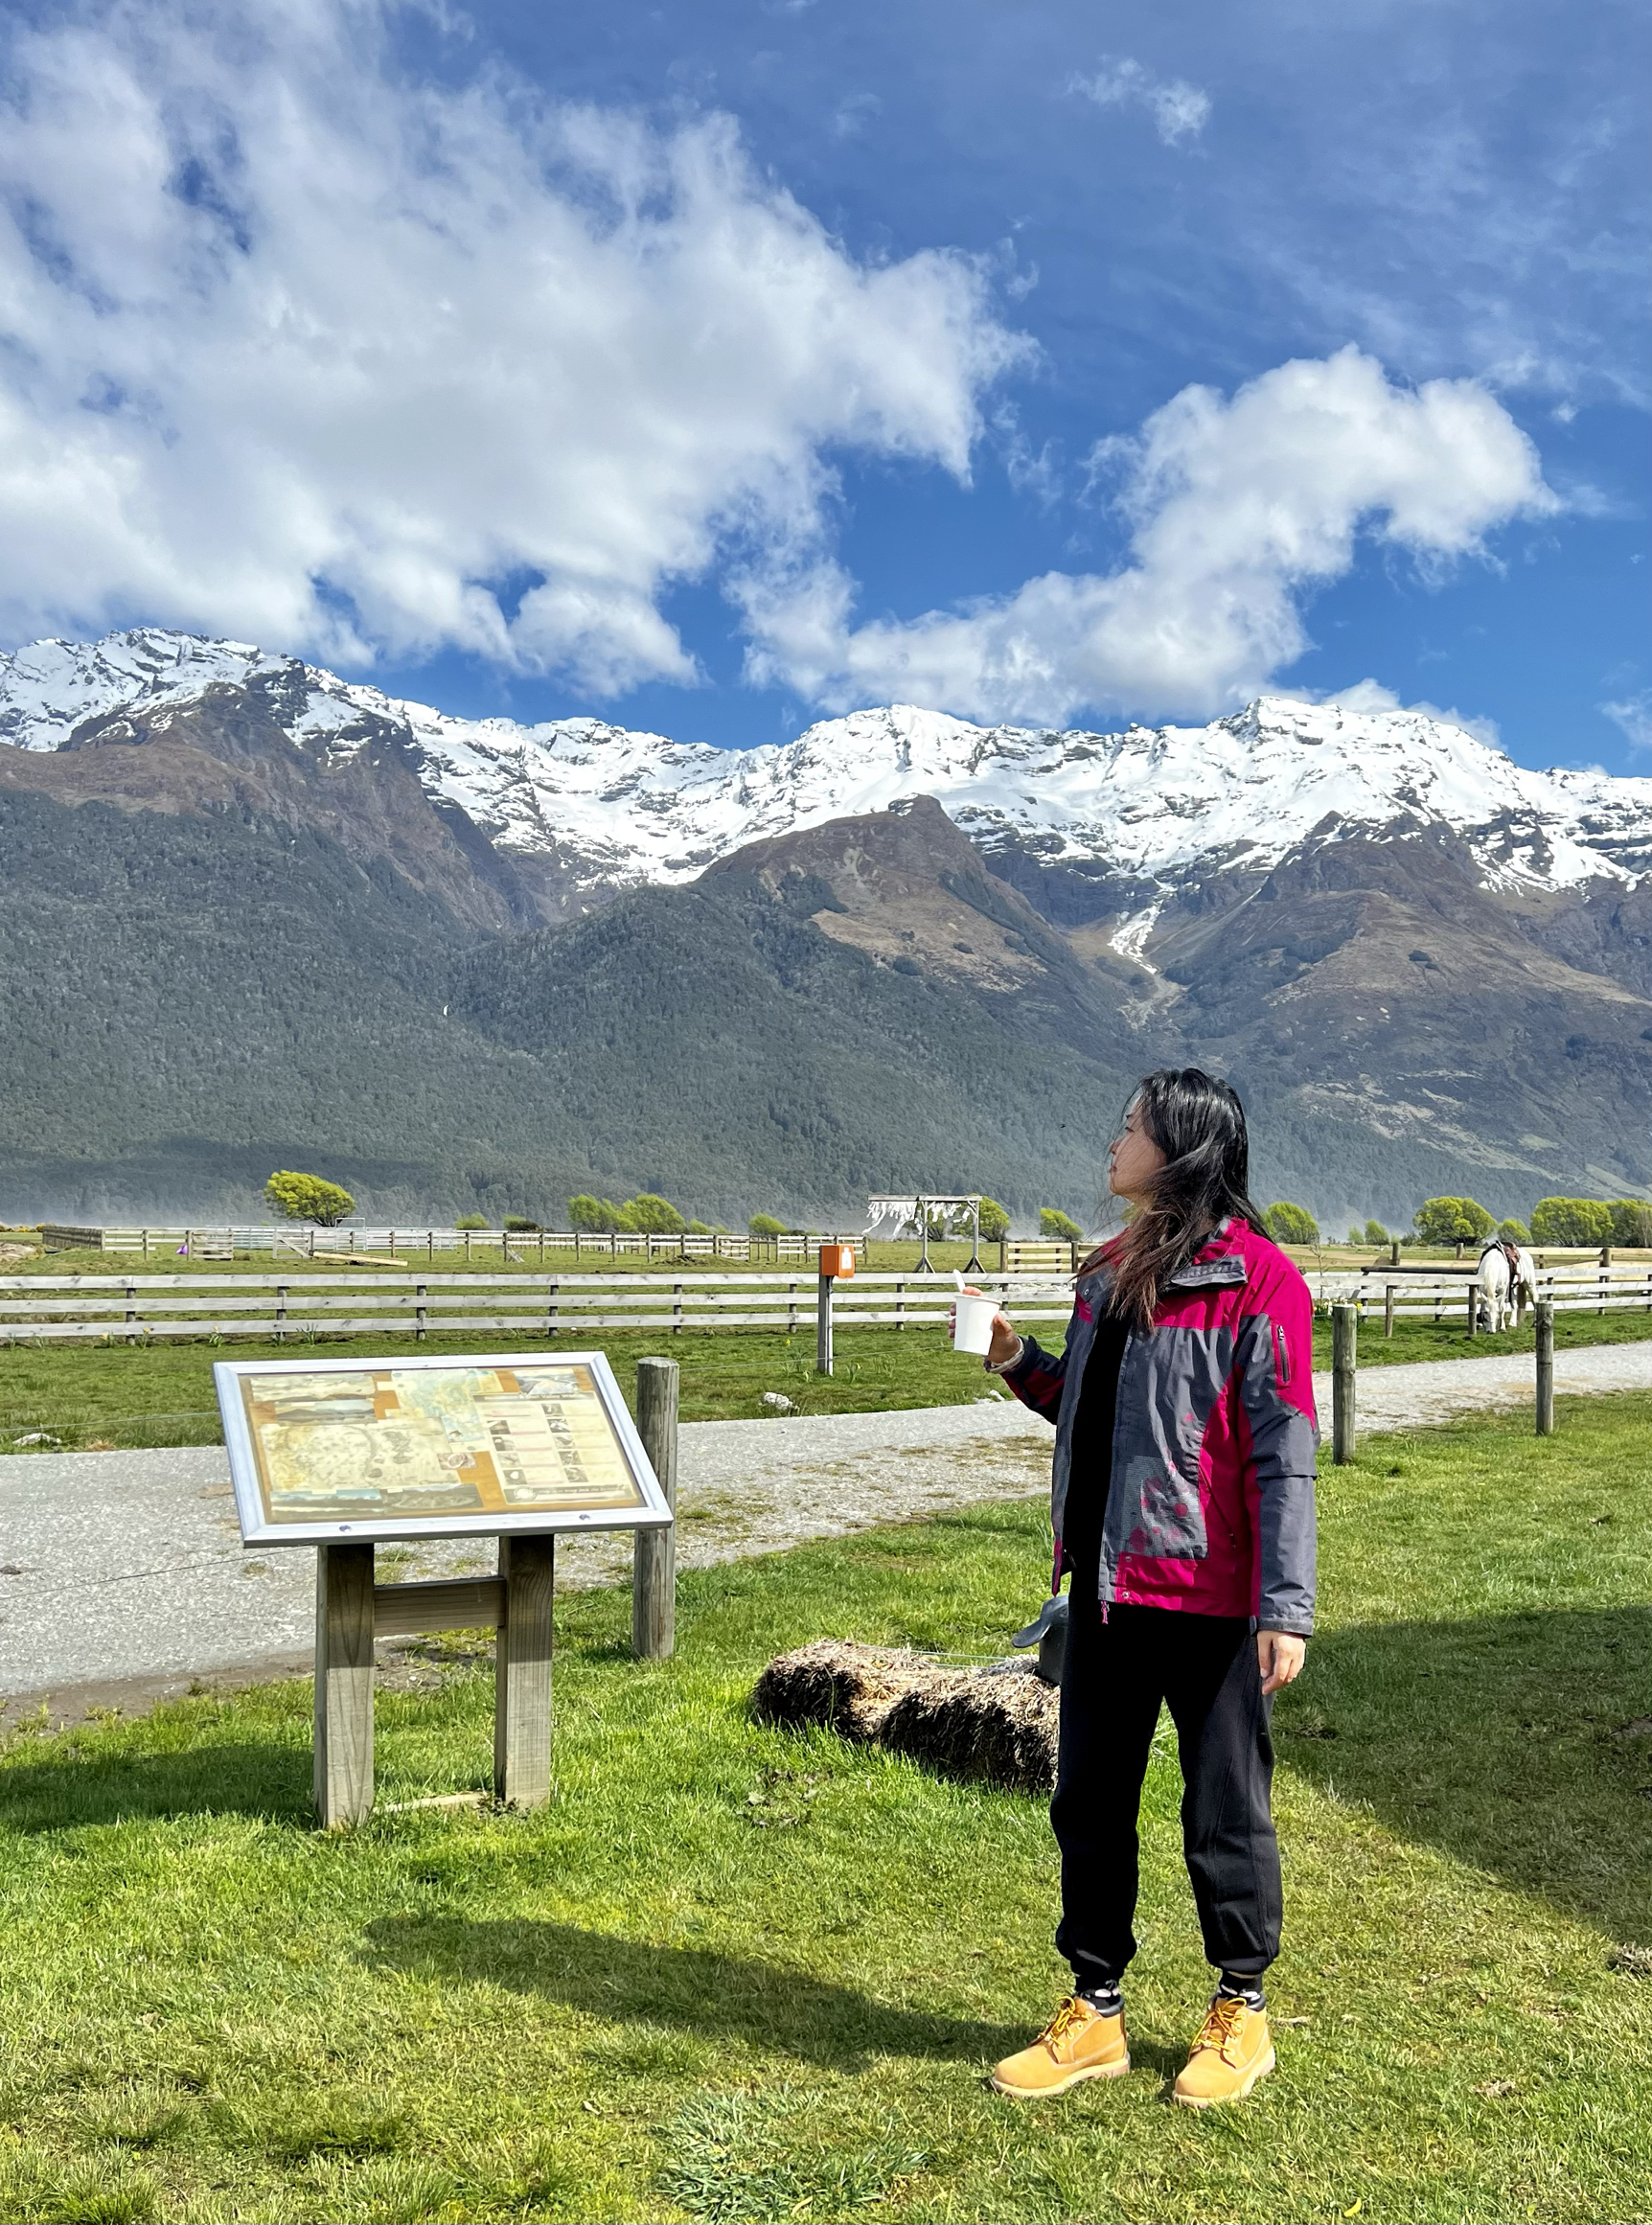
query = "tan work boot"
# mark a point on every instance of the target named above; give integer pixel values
(1075, 2045)
(1231, 2049)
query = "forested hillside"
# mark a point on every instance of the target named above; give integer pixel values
(227, 950)
(192, 1003)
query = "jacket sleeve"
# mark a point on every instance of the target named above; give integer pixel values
(1037, 1378)
(1275, 1370)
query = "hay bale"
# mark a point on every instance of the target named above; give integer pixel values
(997, 1728)
(848, 1688)
(985, 1724)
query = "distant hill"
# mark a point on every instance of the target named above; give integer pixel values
(253, 916)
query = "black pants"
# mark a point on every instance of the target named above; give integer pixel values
(1117, 1672)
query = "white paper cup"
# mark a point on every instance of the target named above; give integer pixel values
(972, 1329)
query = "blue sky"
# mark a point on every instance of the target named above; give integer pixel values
(715, 368)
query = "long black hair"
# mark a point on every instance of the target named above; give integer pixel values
(1199, 1124)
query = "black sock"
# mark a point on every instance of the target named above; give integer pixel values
(1105, 1997)
(1249, 1990)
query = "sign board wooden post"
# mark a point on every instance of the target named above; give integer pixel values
(343, 1684)
(522, 1693)
(653, 1572)
(1344, 1348)
(341, 1453)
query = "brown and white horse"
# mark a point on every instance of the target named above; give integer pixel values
(1504, 1298)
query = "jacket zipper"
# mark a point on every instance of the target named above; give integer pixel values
(1282, 1351)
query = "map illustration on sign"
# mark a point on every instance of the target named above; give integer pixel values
(398, 1447)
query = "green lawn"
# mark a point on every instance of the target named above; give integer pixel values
(523, 1256)
(161, 1394)
(92, 1394)
(737, 1973)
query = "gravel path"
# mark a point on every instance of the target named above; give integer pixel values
(1418, 1394)
(122, 1576)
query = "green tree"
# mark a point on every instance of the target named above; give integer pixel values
(1288, 1223)
(701, 1229)
(995, 1221)
(471, 1221)
(1571, 1221)
(1632, 1223)
(1452, 1221)
(593, 1216)
(518, 1224)
(1052, 1221)
(308, 1197)
(1376, 1233)
(1514, 1231)
(648, 1215)
(765, 1224)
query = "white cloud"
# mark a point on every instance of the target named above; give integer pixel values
(1180, 110)
(301, 351)
(1634, 715)
(1238, 508)
(1371, 696)
(853, 116)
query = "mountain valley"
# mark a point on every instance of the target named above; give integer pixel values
(255, 915)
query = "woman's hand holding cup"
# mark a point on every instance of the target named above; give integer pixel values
(992, 1337)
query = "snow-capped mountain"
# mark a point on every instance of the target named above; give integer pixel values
(254, 915)
(1151, 806)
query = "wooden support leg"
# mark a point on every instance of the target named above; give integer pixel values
(654, 1580)
(522, 1702)
(343, 1684)
(1344, 1352)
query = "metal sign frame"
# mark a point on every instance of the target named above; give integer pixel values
(255, 1528)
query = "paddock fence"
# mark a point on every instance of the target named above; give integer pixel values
(143, 1308)
(1445, 1296)
(511, 1244)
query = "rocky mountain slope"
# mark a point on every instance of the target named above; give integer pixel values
(249, 909)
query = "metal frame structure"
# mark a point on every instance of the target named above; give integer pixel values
(880, 1208)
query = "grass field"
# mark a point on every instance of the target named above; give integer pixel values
(106, 1395)
(78, 1396)
(522, 1256)
(734, 1973)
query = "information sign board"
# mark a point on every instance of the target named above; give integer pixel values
(328, 1449)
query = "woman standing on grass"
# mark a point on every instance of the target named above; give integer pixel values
(1183, 1511)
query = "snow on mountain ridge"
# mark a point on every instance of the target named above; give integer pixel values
(1156, 804)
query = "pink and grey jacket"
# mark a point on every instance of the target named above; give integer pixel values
(1211, 1502)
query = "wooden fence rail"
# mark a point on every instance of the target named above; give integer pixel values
(1445, 1298)
(137, 1308)
(509, 1244)
(133, 1308)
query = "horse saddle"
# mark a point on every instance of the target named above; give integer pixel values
(1511, 1257)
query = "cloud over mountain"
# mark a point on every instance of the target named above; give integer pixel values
(303, 349)
(310, 348)
(1238, 509)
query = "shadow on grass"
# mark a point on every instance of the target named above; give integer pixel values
(1521, 1744)
(76, 1786)
(723, 1996)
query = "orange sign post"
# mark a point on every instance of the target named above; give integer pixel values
(836, 1265)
